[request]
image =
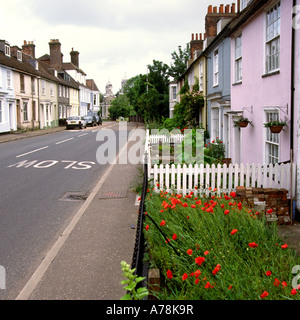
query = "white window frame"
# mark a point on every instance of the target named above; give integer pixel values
(8, 79)
(25, 111)
(215, 121)
(0, 77)
(238, 59)
(216, 67)
(272, 140)
(201, 70)
(51, 89)
(273, 26)
(7, 50)
(1, 112)
(43, 87)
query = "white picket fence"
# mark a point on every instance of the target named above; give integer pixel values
(223, 178)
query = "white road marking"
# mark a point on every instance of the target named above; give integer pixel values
(25, 154)
(64, 141)
(82, 135)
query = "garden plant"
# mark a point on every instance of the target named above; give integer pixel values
(216, 249)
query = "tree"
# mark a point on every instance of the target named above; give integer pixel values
(120, 107)
(180, 60)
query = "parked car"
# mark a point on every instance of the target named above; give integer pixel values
(75, 122)
(99, 120)
(90, 120)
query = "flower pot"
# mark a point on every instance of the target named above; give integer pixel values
(243, 124)
(276, 129)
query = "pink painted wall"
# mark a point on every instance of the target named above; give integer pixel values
(262, 92)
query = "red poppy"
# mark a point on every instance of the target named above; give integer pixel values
(197, 281)
(264, 294)
(276, 282)
(197, 273)
(222, 206)
(174, 236)
(185, 205)
(163, 223)
(169, 274)
(230, 287)
(199, 260)
(234, 231)
(294, 291)
(190, 252)
(284, 246)
(147, 227)
(208, 285)
(253, 245)
(216, 269)
(206, 253)
(193, 206)
(184, 277)
(268, 273)
(269, 211)
(226, 212)
(284, 284)
(232, 194)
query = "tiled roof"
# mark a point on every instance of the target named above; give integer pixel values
(92, 85)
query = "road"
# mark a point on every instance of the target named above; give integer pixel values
(37, 174)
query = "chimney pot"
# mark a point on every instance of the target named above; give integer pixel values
(233, 8)
(210, 9)
(192, 37)
(227, 8)
(215, 9)
(221, 9)
(196, 36)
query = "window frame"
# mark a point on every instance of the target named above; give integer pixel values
(238, 63)
(272, 140)
(216, 63)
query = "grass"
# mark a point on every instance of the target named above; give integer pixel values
(216, 249)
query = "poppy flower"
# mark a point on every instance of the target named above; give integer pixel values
(208, 285)
(197, 273)
(276, 282)
(234, 231)
(169, 274)
(190, 252)
(216, 269)
(294, 291)
(269, 211)
(206, 253)
(252, 245)
(284, 246)
(193, 206)
(147, 227)
(226, 212)
(199, 260)
(284, 284)
(264, 294)
(268, 273)
(230, 287)
(232, 194)
(174, 236)
(184, 277)
(197, 281)
(163, 223)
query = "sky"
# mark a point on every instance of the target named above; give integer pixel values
(116, 39)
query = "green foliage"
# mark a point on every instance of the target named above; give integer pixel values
(131, 284)
(120, 107)
(222, 232)
(215, 150)
(180, 59)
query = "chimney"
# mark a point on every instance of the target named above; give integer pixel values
(196, 44)
(75, 57)
(55, 54)
(214, 15)
(29, 48)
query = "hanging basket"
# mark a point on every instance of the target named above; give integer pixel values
(243, 124)
(276, 129)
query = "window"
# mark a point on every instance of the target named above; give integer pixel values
(238, 59)
(216, 68)
(0, 78)
(25, 111)
(272, 139)
(51, 89)
(7, 50)
(43, 87)
(1, 112)
(201, 76)
(32, 86)
(19, 55)
(8, 79)
(215, 123)
(174, 93)
(22, 83)
(33, 110)
(273, 39)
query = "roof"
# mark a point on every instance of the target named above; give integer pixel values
(92, 85)
(71, 66)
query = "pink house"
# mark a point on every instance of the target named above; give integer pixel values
(263, 64)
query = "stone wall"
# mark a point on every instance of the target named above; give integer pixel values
(265, 199)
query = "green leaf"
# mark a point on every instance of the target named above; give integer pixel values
(126, 297)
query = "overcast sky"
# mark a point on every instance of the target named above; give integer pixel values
(114, 37)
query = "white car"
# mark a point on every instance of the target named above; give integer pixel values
(75, 122)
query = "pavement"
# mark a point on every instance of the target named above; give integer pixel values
(84, 263)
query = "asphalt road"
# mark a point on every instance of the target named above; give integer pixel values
(36, 174)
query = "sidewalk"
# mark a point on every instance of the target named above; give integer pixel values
(87, 265)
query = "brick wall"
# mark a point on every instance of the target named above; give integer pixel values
(264, 199)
